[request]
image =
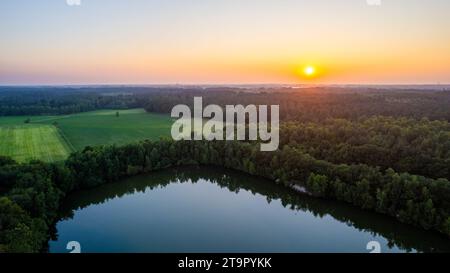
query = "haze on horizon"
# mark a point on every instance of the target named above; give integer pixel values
(224, 42)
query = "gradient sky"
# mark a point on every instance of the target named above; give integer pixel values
(224, 41)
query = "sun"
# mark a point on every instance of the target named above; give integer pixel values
(309, 70)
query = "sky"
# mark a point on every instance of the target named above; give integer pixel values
(224, 42)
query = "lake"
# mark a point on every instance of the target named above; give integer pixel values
(199, 209)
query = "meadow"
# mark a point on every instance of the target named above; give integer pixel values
(52, 138)
(30, 141)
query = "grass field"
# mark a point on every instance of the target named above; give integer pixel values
(52, 138)
(30, 141)
(103, 127)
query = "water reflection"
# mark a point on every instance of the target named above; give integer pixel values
(398, 237)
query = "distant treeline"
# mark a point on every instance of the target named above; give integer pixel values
(308, 104)
(15, 101)
(48, 100)
(32, 192)
(320, 103)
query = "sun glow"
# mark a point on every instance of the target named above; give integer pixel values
(309, 71)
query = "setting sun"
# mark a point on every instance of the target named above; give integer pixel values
(309, 70)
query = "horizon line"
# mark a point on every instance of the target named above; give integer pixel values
(220, 84)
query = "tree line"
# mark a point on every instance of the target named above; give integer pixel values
(317, 104)
(305, 104)
(18, 101)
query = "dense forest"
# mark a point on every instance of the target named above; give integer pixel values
(18, 101)
(407, 130)
(407, 145)
(387, 152)
(316, 104)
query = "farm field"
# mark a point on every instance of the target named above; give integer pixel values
(103, 127)
(30, 141)
(52, 138)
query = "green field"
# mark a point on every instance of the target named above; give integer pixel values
(52, 138)
(30, 141)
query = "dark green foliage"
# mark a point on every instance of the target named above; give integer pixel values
(18, 101)
(406, 145)
(18, 231)
(317, 185)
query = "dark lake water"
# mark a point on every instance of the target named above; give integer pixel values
(215, 210)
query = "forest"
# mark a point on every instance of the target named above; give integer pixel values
(23, 101)
(381, 151)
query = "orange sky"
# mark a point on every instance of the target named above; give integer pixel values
(224, 41)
